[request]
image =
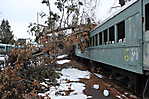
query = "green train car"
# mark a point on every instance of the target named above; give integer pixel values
(122, 41)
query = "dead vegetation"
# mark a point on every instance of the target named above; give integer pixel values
(22, 76)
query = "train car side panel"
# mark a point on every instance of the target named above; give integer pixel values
(126, 54)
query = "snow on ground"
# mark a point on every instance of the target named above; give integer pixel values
(119, 97)
(2, 58)
(74, 74)
(44, 84)
(69, 81)
(63, 61)
(61, 56)
(96, 86)
(98, 75)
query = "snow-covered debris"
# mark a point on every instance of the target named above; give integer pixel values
(61, 56)
(63, 61)
(98, 75)
(96, 86)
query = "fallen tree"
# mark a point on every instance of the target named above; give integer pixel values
(22, 77)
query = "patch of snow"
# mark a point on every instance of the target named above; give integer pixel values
(1, 65)
(80, 96)
(89, 97)
(42, 94)
(106, 93)
(126, 93)
(69, 74)
(78, 87)
(2, 58)
(2, 68)
(119, 97)
(64, 86)
(62, 56)
(63, 61)
(124, 96)
(44, 84)
(98, 75)
(74, 74)
(49, 34)
(76, 94)
(96, 86)
(47, 79)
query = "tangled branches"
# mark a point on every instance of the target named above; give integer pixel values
(22, 77)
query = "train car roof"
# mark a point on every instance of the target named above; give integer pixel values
(116, 13)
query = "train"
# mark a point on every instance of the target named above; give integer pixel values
(122, 42)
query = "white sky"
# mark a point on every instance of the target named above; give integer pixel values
(21, 12)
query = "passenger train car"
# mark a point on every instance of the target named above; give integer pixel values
(122, 41)
(4, 48)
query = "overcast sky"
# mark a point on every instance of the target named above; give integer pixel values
(21, 12)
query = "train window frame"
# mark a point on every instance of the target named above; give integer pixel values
(112, 35)
(147, 17)
(121, 32)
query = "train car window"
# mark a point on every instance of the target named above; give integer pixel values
(87, 43)
(91, 44)
(121, 31)
(112, 34)
(90, 41)
(96, 40)
(147, 17)
(100, 38)
(105, 36)
(93, 41)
